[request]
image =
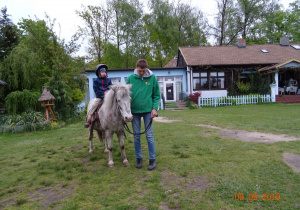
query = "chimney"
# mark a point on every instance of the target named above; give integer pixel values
(284, 41)
(241, 43)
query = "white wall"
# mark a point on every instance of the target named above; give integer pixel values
(212, 93)
(125, 73)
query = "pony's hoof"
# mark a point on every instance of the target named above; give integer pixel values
(106, 151)
(111, 164)
(90, 151)
(125, 162)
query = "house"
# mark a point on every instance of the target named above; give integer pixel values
(172, 81)
(211, 69)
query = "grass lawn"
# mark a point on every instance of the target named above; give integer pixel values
(171, 105)
(53, 169)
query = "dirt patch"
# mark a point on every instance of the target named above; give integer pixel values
(293, 160)
(48, 196)
(240, 134)
(45, 196)
(86, 160)
(250, 136)
(164, 120)
(177, 186)
(173, 182)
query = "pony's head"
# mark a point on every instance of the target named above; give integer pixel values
(122, 95)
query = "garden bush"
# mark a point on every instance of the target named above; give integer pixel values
(18, 102)
(27, 121)
(194, 97)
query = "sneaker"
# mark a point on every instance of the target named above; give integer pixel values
(152, 164)
(139, 163)
(87, 124)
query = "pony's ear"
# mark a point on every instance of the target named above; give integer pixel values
(129, 86)
(113, 87)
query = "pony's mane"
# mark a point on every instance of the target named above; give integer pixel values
(108, 99)
(119, 89)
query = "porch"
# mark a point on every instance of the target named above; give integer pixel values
(285, 89)
(288, 98)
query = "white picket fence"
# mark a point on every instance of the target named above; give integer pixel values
(234, 100)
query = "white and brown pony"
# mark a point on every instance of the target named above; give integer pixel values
(114, 110)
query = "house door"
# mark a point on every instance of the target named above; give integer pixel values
(170, 91)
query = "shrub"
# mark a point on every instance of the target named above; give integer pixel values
(187, 101)
(244, 88)
(27, 121)
(193, 105)
(18, 102)
(194, 97)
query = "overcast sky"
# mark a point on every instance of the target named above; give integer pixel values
(64, 12)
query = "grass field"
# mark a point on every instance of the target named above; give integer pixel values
(171, 105)
(53, 169)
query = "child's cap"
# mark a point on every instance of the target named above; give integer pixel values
(100, 68)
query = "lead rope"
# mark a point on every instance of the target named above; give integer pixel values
(127, 128)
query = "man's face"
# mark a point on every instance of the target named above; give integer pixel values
(141, 71)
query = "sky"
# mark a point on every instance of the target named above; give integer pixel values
(64, 12)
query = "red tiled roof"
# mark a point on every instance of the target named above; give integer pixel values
(232, 55)
(172, 63)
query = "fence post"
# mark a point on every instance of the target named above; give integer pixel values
(273, 92)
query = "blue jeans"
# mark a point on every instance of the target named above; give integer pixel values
(136, 127)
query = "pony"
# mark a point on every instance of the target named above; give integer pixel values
(109, 120)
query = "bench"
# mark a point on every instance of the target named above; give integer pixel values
(293, 90)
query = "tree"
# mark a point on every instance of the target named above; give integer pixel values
(113, 56)
(293, 20)
(29, 65)
(191, 25)
(161, 26)
(60, 90)
(92, 17)
(227, 26)
(126, 24)
(249, 12)
(8, 34)
(271, 27)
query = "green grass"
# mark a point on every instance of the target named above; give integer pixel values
(53, 169)
(171, 105)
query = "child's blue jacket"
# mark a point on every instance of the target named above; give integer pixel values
(101, 85)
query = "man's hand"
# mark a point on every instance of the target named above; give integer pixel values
(153, 113)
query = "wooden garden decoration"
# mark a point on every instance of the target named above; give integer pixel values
(47, 100)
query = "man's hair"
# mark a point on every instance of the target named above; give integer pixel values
(142, 63)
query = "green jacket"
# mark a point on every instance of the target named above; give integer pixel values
(145, 94)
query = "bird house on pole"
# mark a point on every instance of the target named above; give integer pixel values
(47, 100)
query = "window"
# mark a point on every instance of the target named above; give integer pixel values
(115, 80)
(297, 47)
(200, 80)
(169, 78)
(208, 80)
(217, 80)
(160, 79)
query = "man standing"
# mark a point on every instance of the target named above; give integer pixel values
(145, 96)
